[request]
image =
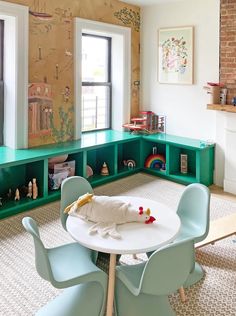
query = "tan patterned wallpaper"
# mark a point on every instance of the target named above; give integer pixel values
(51, 102)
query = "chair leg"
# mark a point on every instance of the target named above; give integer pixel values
(182, 294)
(195, 276)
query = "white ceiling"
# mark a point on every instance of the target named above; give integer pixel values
(147, 2)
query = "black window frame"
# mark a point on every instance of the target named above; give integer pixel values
(1, 81)
(107, 83)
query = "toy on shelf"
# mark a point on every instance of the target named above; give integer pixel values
(9, 194)
(129, 163)
(89, 171)
(104, 170)
(35, 189)
(30, 190)
(156, 161)
(183, 163)
(17, 195)
(148, 123)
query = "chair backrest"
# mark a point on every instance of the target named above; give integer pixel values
(168, 268)
(42, 263)
(71, 189)
(194, 210)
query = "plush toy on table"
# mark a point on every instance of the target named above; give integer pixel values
(107, 212)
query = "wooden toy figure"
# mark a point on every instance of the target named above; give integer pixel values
(29, 194)
(35, 189)
(9, 194)
(17, 195)
(104, 170)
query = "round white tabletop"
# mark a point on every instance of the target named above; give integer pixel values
(135, 237)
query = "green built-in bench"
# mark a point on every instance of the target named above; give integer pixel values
(18, 167)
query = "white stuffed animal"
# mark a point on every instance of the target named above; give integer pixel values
(107, 212)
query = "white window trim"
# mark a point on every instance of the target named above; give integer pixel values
(121, 69)
(16, 32)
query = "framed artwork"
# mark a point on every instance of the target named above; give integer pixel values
(175, 63)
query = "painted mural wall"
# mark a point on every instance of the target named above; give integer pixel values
(51, 82)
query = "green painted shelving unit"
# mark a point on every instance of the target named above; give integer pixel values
(18, 167)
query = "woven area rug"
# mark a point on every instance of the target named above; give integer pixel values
(23, 292)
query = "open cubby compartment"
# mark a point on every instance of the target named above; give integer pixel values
(79, 162)
(18, 177)
(175, 163)
(65, 169)
(96, 158)
(156, 163)
(128, 156)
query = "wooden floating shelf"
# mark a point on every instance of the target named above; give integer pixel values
(220, 107)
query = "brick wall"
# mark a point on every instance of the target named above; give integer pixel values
(228, 46)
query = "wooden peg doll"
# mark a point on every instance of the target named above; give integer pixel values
(29, 194)
(35, 189)
(17, 195)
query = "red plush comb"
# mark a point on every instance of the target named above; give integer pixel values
(150, 220)
(140, 210)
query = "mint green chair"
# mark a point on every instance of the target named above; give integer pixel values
(71, 267)
(71, 189)
(143, 289)
(194, 212)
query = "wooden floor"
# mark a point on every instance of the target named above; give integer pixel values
(218, 191)
(222, 227)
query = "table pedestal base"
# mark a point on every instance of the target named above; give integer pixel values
(111, 285)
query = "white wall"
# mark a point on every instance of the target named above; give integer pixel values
(184, 105)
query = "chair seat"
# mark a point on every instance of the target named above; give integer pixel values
(70, 262)
(74, 301)
(131, 275)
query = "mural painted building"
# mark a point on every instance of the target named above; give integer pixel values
(51, 56)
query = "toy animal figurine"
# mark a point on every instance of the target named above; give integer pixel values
(30, 190)
(35, 189)
(107, 212)
(17, 195)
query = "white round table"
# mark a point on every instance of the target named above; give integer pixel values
(135, 237)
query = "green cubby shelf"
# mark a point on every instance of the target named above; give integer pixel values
(18, 167)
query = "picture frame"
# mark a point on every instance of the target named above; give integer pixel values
(175, 55)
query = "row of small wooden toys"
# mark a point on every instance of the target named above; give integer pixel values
(32, 192)
(129, 163)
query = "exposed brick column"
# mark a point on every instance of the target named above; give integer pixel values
(228, 46)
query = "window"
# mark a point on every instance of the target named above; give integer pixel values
(96, 82)
(1, 82)
(120, 59)
(15, 74)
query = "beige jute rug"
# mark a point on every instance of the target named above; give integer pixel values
(23, 292)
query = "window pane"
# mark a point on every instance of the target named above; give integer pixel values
(95, 107)
(94, 59)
